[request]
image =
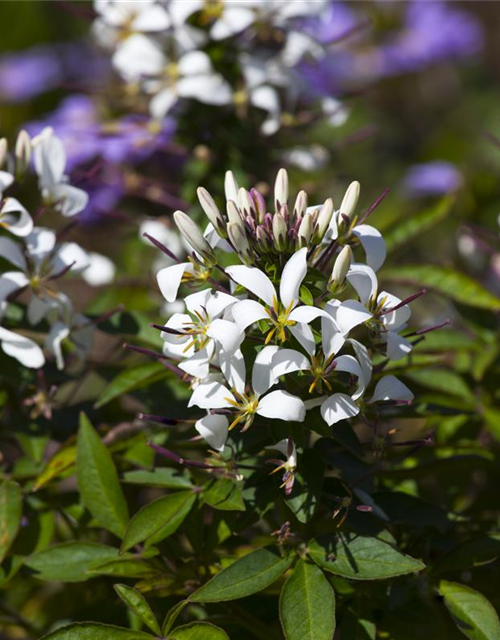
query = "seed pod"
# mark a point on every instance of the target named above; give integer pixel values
(194, 236)
(212, 212)
(350, 199)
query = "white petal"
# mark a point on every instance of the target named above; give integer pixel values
(281, 405)
(263, 377)
(314, 402)
(254, 280)
(169, 279)
(287, 361)
(247, 312)
(38, 309)
(197, 302)
(70, 200)
(218, 302)
(227, 333)
(338, 407)
(373, 244)
(390, 388)
(70, 254)
(11, 281)
(11, 251)
(15, 218)
(364, 281)
(180, 11)
(304, 336)
(214, 429)
(211, 395)
(332, 338)
(41, 242)
(397, 346)
(50, 159)
(364, 359)
(153, 18)
(197, 365)
(395, 319)
(233, 21)
(178, 322)
(100, 271)
(350, 314)
(24, 350)
(307, 314)
(194, 63)
(207, 88)
(349, 364)
(162, 102)
(234, 370)
(293, 274)
(138, 56)
(58, 332)
(283, 446)
(6, 179)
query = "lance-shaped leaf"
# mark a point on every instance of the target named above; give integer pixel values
(11, 510)
(158, 519)
(361, 558)
(130, 379)
(473, 614)
(94, 631)
(224, 494)
(198, 631)
(98, 480)
(60, 462)
(70, 561)
(307, 604)
(159, 477)
(172, 616)
(250, 574)
(137, 603)
(447, 281)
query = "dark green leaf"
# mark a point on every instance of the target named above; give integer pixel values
(159, 477)
(473, 614)
(172, 616)
(70, 561)
(442, 380)
(224, 494)
(137, 603)
(306, 490)
(361, 558)
(472, 553)
(62, 461)
(130, 379)
(198, 631)
(250, 574)
(98, 481)
(447, 281)
(158, 519)
(307, 604)
(408, 228)
(123, 568)
(11, 511)
(93, 631)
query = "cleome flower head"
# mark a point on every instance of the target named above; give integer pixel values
(284, 317)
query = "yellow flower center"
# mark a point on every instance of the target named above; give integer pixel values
(246, 405)
(279, 318)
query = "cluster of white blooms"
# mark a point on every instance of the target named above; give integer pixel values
(33, 260)
(164, 49)
(288, 316)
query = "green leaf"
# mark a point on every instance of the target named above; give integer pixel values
(199, 631)
(250, 574)
(471, 553)
(158, 519)
(224, 494)
(361, 558)
(307, 605)
(172, 616)
(159, 477)
(123, 568)
(130, 379)
(62, 461)
(473, 614)
(94, 631)
(447, 281)
(409, 228)
(137, 603)
(98, 480)
(442, 380)
(11, 511)
(70, 561)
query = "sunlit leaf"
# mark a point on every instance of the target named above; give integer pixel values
(473, 614)
(11, 510)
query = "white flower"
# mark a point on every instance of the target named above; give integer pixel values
(287, 448)
(283, 312)
(214, 428)
(24, 350)
(389, 388)
(15, 218)
(278, 404)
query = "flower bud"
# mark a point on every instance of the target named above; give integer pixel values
(260, 204)
(3, 151)
(212, 212)
(340, 269)
(240, 243)
(231, 187)
(305, 231)
(323, 219)
(22, 153)
(263, 239)
(194, 236)
(281, 189)
(350, 199)
(300, 205)
(279, 232)
(234, 216)
(246, 202)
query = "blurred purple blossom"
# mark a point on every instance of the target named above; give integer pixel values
(432, 179)
(27, 74)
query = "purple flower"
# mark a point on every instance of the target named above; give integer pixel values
(432, 179)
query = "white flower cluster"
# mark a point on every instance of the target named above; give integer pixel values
(292, 322)
(163, 48)
(34, 256)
